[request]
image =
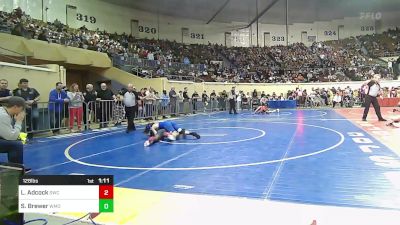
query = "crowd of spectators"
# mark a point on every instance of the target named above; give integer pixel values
(316, 97)
(333, 61)
(20, 24)
(342, 60)
(384, 44)
(101, 106)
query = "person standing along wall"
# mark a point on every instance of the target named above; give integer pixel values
(186, 99)
(57, 98)
(213, 101)
(195, 98)
(149, 103)
(105, 97)
(4, 92)
(75, 106)
(31, 96)
(141, 110)
(223, 97)
(204, 99)
(173, 100)
(65, 120)
(164, 104)
(89, 106)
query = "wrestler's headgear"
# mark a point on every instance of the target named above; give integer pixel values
(148, 128)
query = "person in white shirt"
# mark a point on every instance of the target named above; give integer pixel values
(239, 100)
(150, 56)
(337, 99)
(374, 89)
(131, 99)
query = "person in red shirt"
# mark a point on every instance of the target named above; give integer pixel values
(263, 108)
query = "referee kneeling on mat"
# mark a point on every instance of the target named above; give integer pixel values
(12, 116)
(373, 91)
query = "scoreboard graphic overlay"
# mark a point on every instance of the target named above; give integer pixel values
(66, 193)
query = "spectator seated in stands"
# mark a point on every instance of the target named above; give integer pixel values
(337, 99)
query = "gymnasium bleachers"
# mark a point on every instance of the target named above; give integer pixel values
(329, 61)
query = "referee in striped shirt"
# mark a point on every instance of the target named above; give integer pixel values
(373, 91)
(131, 98)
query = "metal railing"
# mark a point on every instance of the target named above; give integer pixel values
(5, 29)
(147, 63)
(181, 77)
(390, 54)
(52, 116)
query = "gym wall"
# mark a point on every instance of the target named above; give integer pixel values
(43, 78)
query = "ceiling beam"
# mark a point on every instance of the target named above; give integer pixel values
(262, 12)
(218, 11)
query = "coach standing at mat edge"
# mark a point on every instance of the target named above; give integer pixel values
(373, 91)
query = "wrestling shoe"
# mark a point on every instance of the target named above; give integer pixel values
(146, 143)
(196, 135)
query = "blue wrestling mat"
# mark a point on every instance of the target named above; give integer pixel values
(306, 156)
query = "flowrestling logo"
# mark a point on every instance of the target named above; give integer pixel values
(368, 146)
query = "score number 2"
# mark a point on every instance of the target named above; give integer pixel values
(106, 192)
